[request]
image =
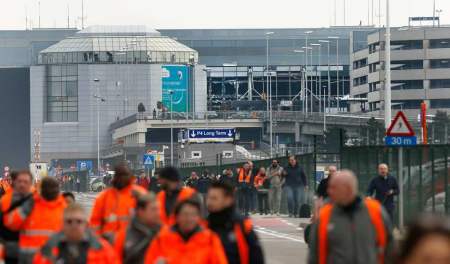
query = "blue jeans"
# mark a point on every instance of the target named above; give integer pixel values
(295, 198)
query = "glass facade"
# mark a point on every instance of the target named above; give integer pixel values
(407, 65)
(439, 43)
(440, 83)
(407, 84)
(440, 103)
(440, 63)
(119, 49)
(62, 93)
(406, 104)
(407, 44)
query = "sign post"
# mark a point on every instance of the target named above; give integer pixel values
(400, 133)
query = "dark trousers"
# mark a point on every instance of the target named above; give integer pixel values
(245, 197)
(263, 202)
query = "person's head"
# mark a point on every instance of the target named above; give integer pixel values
(274, 163)
(343, 187)
(188, 215)
(122, 177)
(250, 164)
(49, 188)
(169, 178)
(69, 197)
(383, 169)
(22, 181)
(246, 166)
(147, 209)
(220, 196)
(194, 175)
(427, 242)
(262, 171)
(292, 161)
(331, 171)
(75, 222)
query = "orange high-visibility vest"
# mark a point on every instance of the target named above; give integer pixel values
(168, 218)
(240, 231)
(244, 178)
(374, 209)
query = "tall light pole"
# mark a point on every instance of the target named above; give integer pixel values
(171, 126)
(307, 33)
(387, 85)
(302, 83)
(319, 79)
(337, 72)
(98, 99)
(269, 95)
(329, 86)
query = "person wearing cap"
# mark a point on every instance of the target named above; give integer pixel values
(172, 192)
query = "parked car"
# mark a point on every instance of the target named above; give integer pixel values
(97, 184)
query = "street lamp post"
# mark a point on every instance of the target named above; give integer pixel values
(269, 94)
(307, 33)
(337, 72)
(327, 102)
(318, 76)
(98, 99)
(171, 127)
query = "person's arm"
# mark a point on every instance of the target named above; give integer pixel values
(371, 188)
(390, 246)
(256, 254)
(303, 177)
(17, 217)
(218, 255)
(96, 220)
(313, 257)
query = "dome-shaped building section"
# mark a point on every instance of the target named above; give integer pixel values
(101, 75)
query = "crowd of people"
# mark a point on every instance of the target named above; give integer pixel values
(204, 219)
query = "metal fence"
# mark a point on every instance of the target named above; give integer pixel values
(425, 172)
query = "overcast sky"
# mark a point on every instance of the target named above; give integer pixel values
(212, 13)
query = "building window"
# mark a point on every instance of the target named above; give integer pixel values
(62, 93)
(407, 65)
(374, 47)
(437, 64)
(373, 67)
(406, 44)
(407, 84)
(440, 83)
(360, 81)
(227, 154)
(439, 43)
(359, 64)
(196, 155)
(374, 86)
(406, 104)
(440, 103)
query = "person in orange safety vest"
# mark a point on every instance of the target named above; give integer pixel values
(115, 206)
(244, 188)
(20, 192)
(171, 193)
(238, 238)
(351, 229)
(76, 243)
(186, 241)
(37, 219)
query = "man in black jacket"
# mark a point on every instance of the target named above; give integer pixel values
(385, 188)
(238, 238)
(294, 186)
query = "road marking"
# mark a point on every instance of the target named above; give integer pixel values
(273, 233)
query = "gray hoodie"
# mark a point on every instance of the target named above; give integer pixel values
(275, 177)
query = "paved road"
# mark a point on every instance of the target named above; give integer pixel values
(281, 237)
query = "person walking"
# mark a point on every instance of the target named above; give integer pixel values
(385, 187)
(172, 192)
(240, 242)
(244, 188)
(192, 181)
(274, 172)
(227, 176)
(132, 242)
(37, 219)
(295, 185)
(76, 243)
(350, 229)
(186, 241)
(114, 206)
(262, 186)
(22, 182)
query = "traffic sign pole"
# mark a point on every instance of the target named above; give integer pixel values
(400, 179)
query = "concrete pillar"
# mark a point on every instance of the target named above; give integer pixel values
(297, 131)
(141, 138)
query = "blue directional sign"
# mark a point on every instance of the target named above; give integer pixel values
(149, 161)
(401, 141)
(211, 135)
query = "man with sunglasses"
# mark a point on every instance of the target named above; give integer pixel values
(76, 243)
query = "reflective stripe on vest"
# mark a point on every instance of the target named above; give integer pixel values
(241, 176)
(374, 211)
(37, 232)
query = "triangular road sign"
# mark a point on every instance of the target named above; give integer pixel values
(400, 126)
(148, 160)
